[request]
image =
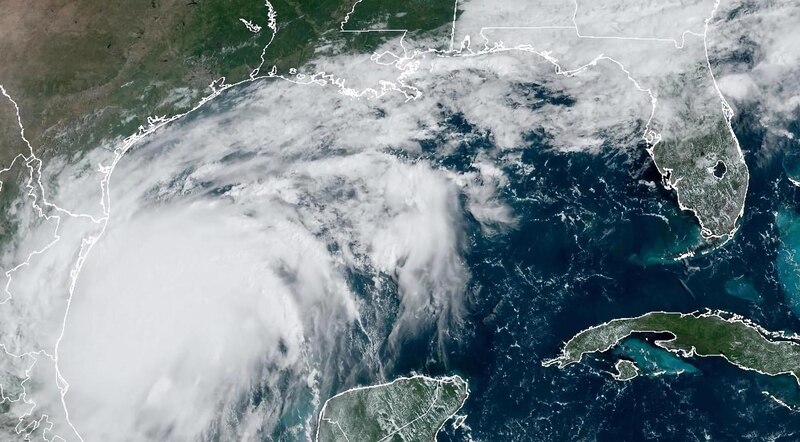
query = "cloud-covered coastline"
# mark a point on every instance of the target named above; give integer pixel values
(753, 48)
(224, 266)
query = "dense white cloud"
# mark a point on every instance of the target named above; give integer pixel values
(224, 264)
(755, 53)
(177, 309)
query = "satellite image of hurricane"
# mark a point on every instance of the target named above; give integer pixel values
(406, 221)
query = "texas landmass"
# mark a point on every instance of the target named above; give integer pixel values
(88, 74)
(717, 334)
(85, 71)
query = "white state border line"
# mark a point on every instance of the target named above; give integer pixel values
(36, 193)
(217, 87)
(650, 137)
(575, 27)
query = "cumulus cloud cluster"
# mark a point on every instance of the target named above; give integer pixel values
(225, 260)
(219, 292)
(222, 270)
(754, 50)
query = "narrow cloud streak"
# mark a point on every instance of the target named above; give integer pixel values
(220, 293)
(223, 269)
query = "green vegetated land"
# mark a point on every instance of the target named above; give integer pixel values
(419, 18)
(87, 73)
(703, 334)
(408, 409)
(99, 68)
(626, 370)
(411, 15)
(693, 165)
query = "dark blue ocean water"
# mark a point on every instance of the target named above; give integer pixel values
(594, 242)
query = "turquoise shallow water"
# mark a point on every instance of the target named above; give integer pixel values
(652, 360)
(611, 257)
(788, 260)
(742, 288)
(595, 240)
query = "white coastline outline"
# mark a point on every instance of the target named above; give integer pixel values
(438, 380)
(563, 361)
(219, 86)
(618, 375)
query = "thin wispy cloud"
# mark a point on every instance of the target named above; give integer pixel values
(225, 266)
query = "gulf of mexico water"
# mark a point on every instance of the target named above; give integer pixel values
(595, 241)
